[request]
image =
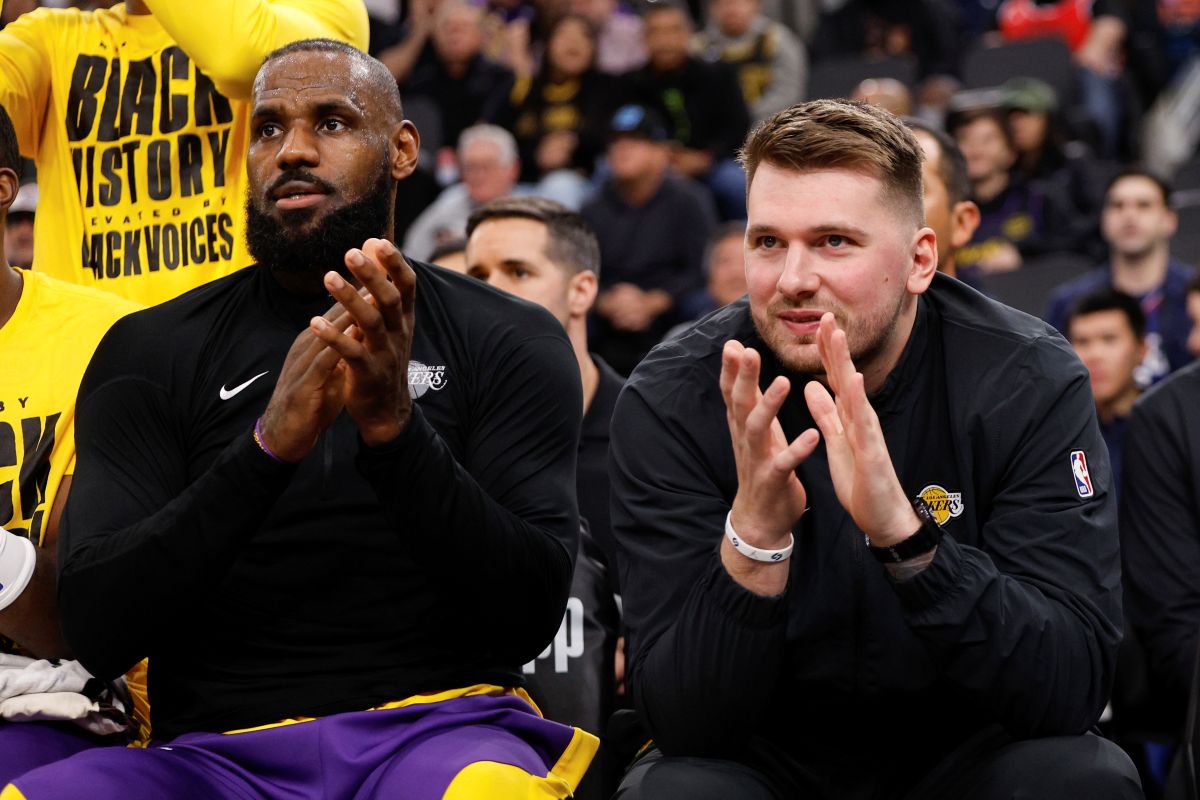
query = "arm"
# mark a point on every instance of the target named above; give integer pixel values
(1028, 621)
(25, 75)
(499, 533)
(32, 619)
(232, 37)
(1160, 534)
(141, 537)
(401, 58)
(700, 614)
(789, 74)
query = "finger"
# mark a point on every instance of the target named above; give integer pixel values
(731, 359)
(746, 393)
(758, 421)
(825, 414)
(401, 274)
(322, 366)
(867, 433)
(346, 346)
(825, 330)
(797, 452)
(367, 314)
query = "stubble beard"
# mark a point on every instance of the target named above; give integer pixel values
(868, 337)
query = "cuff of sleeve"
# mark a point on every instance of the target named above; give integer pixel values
(260, 469)
(741, 604)
(935, 582)
(414, 434)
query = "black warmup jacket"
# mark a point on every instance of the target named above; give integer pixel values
(849, 675)
(261, 590)
(1160, 533)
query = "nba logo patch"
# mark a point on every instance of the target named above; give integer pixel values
(1079, 470)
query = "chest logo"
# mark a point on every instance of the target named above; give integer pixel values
(1079, 470)
(228, 393)
(944, 505)
(422, 378)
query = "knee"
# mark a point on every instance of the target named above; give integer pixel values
(1077, 766)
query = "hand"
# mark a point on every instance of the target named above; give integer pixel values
(630, 308)
(307, 396)
(1000, 256)
(374, 349)
(859, 462)
(770, 498)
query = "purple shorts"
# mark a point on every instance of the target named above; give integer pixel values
(479, 746)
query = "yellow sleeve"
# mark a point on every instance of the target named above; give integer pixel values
(25, 75)
(228, 39)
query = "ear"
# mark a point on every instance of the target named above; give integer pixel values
(581, 293)
(1172, 223)
(964, 219)
(924, 261)
(403, 147)
(10, 183)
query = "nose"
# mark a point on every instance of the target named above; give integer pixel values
(798, 277)
(298, 148)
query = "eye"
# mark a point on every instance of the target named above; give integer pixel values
(520, 273)
(267, 130)
(768, 242)
(836, 242)
(332, 125)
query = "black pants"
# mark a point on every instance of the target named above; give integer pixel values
(987, 767)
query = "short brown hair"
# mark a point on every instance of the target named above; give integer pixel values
(840, 134)
(570, 242)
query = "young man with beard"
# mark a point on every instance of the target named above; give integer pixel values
(920, 600)
(291, 530)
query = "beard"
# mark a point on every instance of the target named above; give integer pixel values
(301, 242)
(866, 336)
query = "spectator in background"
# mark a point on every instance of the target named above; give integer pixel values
(451, 255)
(1107, 328)
(18, 227)
(771, 63)
(887, 93)
(48, 331)
(543, 252)
(1137, 224)
(724, 272)
(652, 226)
(466, 87)
(949, 209)
(488, 155)
(619, 40)
(559, 115)
(1193, 312)
(101, 99)
(702, 104)
(1014, 216)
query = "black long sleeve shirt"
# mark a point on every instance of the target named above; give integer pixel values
(1014, 623)
(262, 590)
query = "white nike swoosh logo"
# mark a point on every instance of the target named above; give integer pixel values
(228, 393)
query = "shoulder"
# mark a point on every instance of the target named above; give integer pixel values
(990, 343)
(70, 303)
(1176, 396)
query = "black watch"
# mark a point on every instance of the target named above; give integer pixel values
(925, 539)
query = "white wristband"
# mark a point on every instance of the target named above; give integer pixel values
(17, 559)
(755, 553)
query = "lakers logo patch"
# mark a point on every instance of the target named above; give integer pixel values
(422, 378)
(944, 505)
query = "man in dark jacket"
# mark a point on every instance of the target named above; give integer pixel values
(957, 445)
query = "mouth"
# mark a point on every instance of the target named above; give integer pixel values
(801, 322)
(297, 195)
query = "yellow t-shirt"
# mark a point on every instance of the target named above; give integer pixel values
(139, 125)
(44, 349)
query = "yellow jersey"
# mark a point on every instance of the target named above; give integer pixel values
(139, 125)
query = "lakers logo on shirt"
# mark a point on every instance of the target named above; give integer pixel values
(422, 378)
(944, 505)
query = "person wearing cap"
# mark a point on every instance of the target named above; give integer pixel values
(652, 226)
(18, 228)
